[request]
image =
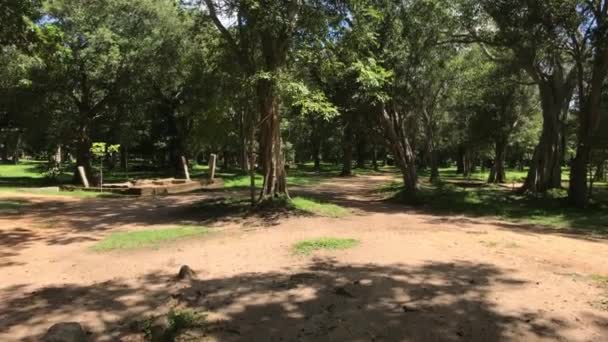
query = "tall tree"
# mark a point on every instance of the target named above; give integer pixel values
(590, 50)
(537, 32)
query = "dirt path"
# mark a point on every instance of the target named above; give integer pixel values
(414, 277)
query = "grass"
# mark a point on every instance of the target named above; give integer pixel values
(294, 178)
(11, 206)
(306, 247)
(480, 199)
(601, 280)
(147, 238)
(25, 169)
(184, 319)
(177, 320)
(319, 208)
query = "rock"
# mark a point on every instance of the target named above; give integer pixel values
(185, 272)
(65, 332)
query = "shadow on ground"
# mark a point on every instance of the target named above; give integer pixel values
(326, 301)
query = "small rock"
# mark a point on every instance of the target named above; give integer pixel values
(340, 291)
(408, 309)
(185, 272)
(65, 332)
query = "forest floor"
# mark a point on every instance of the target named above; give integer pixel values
(414, 275)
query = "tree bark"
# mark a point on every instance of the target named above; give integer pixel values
(400, 144)
(273, 162)
(600, 172)
(316, 154)
(589, 121)
(375, 158)
(361, 144)
(545, 168)
(460, 160)
(497, 173)
(434, 163)
(124, 157)
(347, 149)
(243, 157)
(83, 155)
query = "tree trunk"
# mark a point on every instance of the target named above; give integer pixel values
(402, 150)
(600, 172)
(124, 157)
(467, 163)
(578, 188)
(460, 160)
(243, 157)
(589, 121)
(375, 158)
(497, 173)
(545, 168)
(361, 144)
(273, 162)
(347, 146)
(83, 155)
(434, 162)
(316, 154)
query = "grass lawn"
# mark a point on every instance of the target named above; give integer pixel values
(319, 208)
(306, 247)
(148, 238)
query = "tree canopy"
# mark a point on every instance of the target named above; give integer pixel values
(267, 84)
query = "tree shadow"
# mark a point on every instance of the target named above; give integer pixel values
(326, 301)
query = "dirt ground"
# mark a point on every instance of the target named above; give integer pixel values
(413, 277)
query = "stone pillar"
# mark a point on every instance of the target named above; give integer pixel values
(185, 166)
(83, 176)
(212, 162)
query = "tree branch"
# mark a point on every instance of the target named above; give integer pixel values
(223, 30)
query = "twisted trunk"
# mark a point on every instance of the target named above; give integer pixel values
(545, 168)
(589, 121)
(273, 162)
(497, 173)
(401, 147)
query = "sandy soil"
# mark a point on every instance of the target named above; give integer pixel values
(414, 276)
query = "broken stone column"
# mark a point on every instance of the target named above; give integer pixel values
(83, 176)
(212, 161)
(185, 166)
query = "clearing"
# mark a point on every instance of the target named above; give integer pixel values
(372, 269)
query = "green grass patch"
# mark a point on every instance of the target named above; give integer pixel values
(306, 247)
(601, 280)
(177, 321)
(11, 206)
(24, 169)
(479, 200)
(147, 238)
(319, 208)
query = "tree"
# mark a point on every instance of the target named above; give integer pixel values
(590, 50)
(537, 33)
(273, 27)
(17, 21)
(96, 57)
